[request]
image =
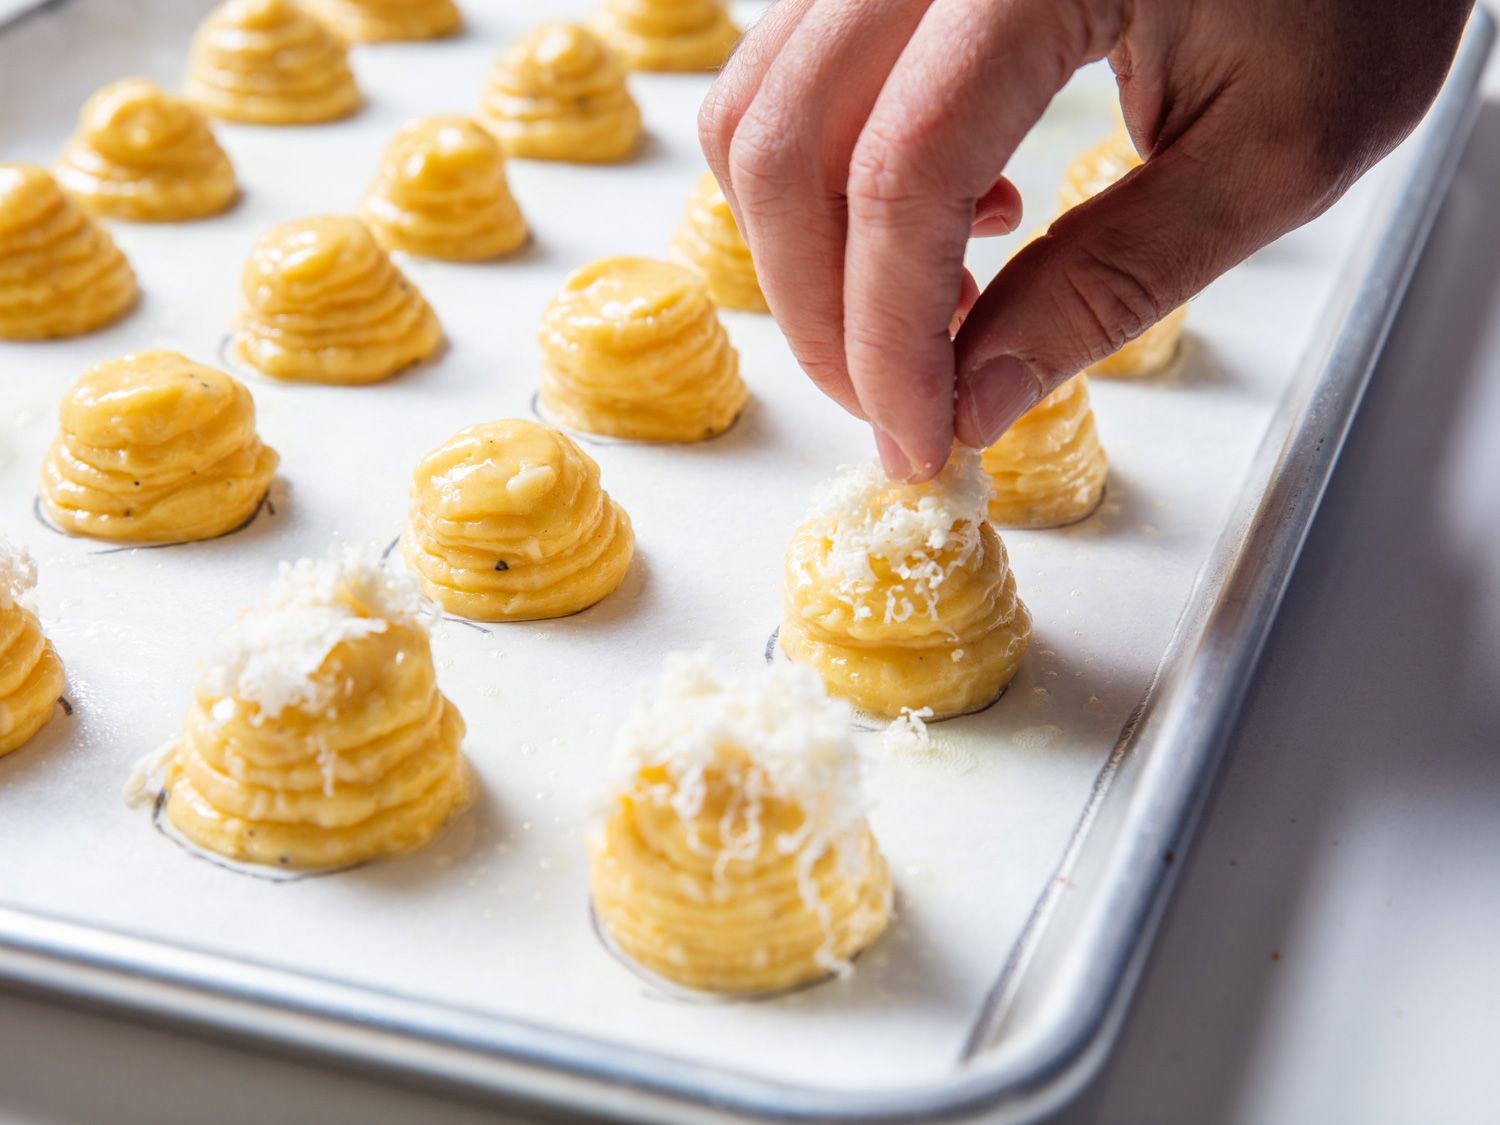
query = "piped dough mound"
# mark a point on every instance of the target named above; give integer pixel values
(709, 242)
(154, 448)
(1088, 175)
(441, 192)
(901, 597)
(60, 273)
(558, 93)
(323, 303)
(735, 856)
(382, 21)
(31, 675)
(508, 523)
(317, 736)
(268, 62)
(668, 34)
(1048, 469)
(633, 348)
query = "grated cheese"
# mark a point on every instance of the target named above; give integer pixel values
(270, 657)
(17, 575)
(908, 735)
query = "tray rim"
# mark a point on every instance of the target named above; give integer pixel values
(1178, 735)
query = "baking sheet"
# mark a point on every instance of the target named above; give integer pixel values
(493, 917)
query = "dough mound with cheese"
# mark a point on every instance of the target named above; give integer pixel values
(382, 21)
(324, 304)
(143, 154)
(558, 93)
(268, 62)
(633, 348)
(441, 192)
(735, 856)
(901, 597)
(668, 34)
(31, 675)
(1093, 171)
(508, 523)
(154, 448)
(709, 242)
(317, 736)
(1048, 469)
(60, 273)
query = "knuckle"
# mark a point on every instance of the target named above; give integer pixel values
(717, 118)
(1110, 301)
(760, 161)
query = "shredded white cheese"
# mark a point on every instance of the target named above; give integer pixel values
(907, 735)
(17, 575)
(920, 532)
(270, 657)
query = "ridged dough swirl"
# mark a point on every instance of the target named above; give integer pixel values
(709, 242)
(143, 154)
(633, 348)
(687, 35)
(381, 21)
(60, 273)
(1049, 468)
(31, 675)
(558, 93)
(508, 523)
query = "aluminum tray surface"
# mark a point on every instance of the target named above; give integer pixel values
(474, 959)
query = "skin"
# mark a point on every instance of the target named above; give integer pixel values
(861, 143)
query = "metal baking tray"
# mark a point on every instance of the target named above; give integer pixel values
(1033, 850)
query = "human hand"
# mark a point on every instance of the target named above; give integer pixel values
(861, 143)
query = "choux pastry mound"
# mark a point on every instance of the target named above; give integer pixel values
(1048, 469)
(508, 523)
(901, 597)
(441, 192)
(1088, 175)
(633, 348)
(668, 34)
(734, 856)
(709, 242)
(558, 93)
(31, 675)
(381, 21)
(154, 448)
(317, 736)
(60, 273)
(143, 154)
(268, 62)
(323, 303)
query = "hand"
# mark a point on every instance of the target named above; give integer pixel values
(861, 143)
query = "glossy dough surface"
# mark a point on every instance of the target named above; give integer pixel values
(735, 856)
(154, 448)
(1088, 175)
(508, 523)
(31, 675)
(140, 153)
(323, 303)
(1049, 468)
(378, 21)
(901, 597)
(633, 348)
(441, 192)
(318, 736)
(60, 273)
(668, 34)
(267, 62)
(709, 242)
(558, 93)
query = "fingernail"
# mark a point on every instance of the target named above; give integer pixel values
(892, 456)
(994, 395)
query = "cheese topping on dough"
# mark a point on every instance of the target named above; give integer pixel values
(708, 241)
(668, 34)
(324, 304)
(31, 675)
(901, 596)
(155, 448)
(735, 855)
(441, 192)
(1048, 469)
(633, 348)
(380, 21)
(267, 62)
(60, 273)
